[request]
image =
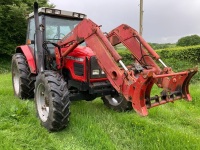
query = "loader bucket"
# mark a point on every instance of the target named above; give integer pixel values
(174, 86)
(185, 87)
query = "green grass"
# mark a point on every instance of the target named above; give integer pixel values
(173, 126)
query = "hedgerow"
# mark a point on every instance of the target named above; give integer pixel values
(189, 54)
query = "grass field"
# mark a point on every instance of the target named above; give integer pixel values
(93, 126)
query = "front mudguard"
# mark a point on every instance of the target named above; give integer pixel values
(28, 53)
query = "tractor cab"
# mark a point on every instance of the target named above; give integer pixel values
(54, 24)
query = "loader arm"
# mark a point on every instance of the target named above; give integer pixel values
(125, 83)
(134, 86)
(140, 49)
(175, 84)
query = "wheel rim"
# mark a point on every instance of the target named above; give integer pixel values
(42, 102)
(16, 79)
(115, 101)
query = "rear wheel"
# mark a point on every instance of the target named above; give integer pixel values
(22, 80)
(52, 100)
(117, 102)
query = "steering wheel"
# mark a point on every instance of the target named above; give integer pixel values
(62, 35)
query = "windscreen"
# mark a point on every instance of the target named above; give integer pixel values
(57, 28)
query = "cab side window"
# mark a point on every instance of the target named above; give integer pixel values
(31, 31)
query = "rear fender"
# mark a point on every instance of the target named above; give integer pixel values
(26, 50)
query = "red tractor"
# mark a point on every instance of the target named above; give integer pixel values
(68, 58)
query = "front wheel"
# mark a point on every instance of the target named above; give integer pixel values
(117, 102)
(52, 100)
(23, 83)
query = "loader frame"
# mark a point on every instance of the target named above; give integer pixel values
(134, 88)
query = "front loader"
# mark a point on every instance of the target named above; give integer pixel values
(68, 58)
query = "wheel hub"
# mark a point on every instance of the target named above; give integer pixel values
(112, 100)
(42, 102)
(16, 80)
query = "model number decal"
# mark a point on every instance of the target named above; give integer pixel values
(75, 58)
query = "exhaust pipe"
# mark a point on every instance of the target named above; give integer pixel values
(38, 49)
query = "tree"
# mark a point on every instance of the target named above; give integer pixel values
(13, 24)
(189, 40)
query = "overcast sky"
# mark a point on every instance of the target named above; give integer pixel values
(164, 20)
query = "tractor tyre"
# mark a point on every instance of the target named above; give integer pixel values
(22, 79)
(117, 102)
(52, 100)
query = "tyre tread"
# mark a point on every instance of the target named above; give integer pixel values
(27, 82)
(60, 100)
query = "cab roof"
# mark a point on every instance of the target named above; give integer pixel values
(57, 12)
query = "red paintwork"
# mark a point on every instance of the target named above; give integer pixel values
(80, 52)
(95, 39)
(26, 50)
(166, 78)
(134, 88)
(130, 38)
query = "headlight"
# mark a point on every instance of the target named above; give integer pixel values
(102, 72)
(95, 72)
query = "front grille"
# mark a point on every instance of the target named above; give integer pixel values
(95, 66)
(78, 69)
